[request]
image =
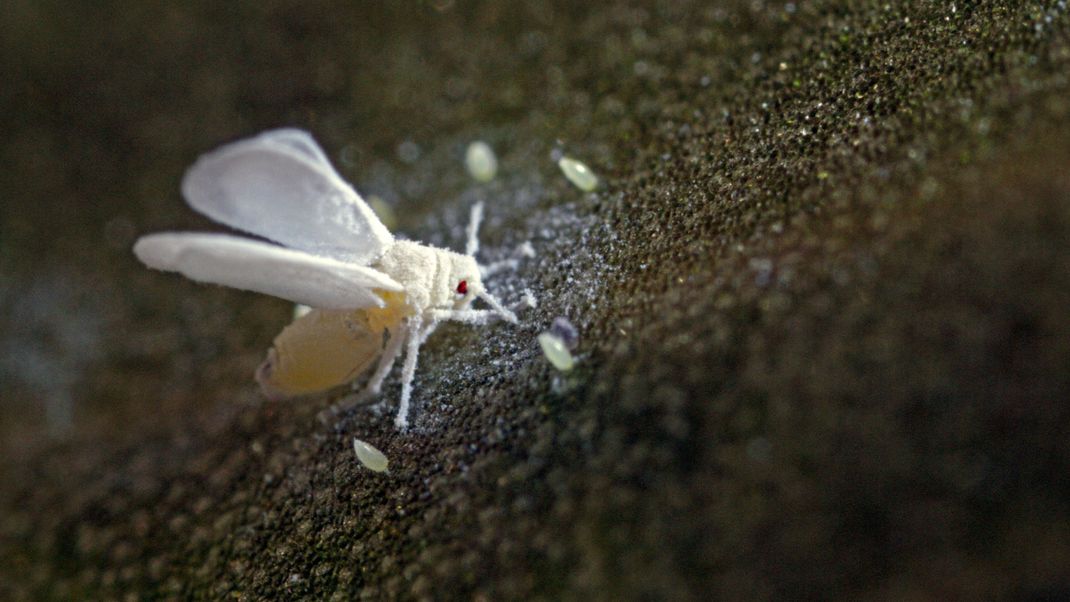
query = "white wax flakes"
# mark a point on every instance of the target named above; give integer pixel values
(556, 351)
(481, 161)
(371, 458)
(528, 299)
(578, 173)
(301, 310)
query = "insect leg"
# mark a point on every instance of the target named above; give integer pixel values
(497, 306)
(386, 362)
(479, 316)
(512, 263)
(408, 370)
(428, 330)
(472, 247)
(493, 268)
(468, 316)
(526, 301)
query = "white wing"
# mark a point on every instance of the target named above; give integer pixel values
(265, 268)
(281, 186)
(301, 141)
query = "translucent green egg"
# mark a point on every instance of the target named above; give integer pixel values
(480, 161)
(556, 351)
(578, 173)
(370, 457)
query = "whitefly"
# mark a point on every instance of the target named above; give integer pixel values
(371, 297)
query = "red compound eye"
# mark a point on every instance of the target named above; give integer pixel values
(462, 288)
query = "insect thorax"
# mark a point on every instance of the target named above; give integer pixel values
(428, 274)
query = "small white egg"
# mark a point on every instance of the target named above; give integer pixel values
(370, 457)
(556, 351)
(480, 161)
(578, 173)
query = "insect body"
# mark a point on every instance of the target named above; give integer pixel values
(372, 295)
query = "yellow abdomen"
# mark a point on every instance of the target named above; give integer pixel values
(327, 348)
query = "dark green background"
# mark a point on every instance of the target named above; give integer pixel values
(822, 296)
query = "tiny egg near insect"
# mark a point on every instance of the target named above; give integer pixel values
(578, 173)
(327, 251)
(370, 456)
(556, 351)
(481, 162)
